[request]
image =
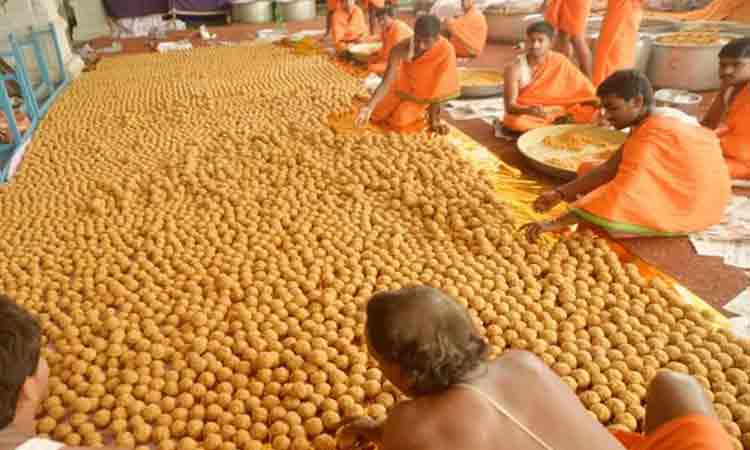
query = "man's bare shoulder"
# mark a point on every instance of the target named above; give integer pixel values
(523, 361)
(402, 48)
(412, 425)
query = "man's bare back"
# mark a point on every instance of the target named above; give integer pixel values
(461, 419)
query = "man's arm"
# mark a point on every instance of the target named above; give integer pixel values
(715, 113)
(398, 53)
(512, 88)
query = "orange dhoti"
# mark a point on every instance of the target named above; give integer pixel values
(396, 33)
(671, 180)
(694, 432)
(469, 33)
(568, 16)
(557, 82)
(615, 48)
(429, 79)
(348, 26)
(735, 136)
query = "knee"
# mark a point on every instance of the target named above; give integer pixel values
(668, 384)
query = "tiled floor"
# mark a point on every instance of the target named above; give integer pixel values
(708, 277)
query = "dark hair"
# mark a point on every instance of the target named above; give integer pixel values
(20, 347)
(736, 49)
(427, 26)
(627, 84)
(387, 10)
(428, 334)
(542, 28)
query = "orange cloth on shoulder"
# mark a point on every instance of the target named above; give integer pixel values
(693, 432)
(615, 48)
(332, 5)
(469, 33)
(348, 26)
(568, 16)
(672, 179)
(735, 136)
(556, 82)
(397, 32)
(428, 79)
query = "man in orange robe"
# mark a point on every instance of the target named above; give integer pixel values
(729, 115)
(615, 48)
(467, 33)
(421, 75)
(542, 86)
(669, 178)
(393, 31)
(348, 25)
(569, 18)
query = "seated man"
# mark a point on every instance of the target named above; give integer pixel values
(730, 112)
(393, 31)
(616, 46)
(348, 24)
(569, 18)
(669, 178)
(421, 75)
(468, 32)
(23, 378)
(427, 346)
(542, 86)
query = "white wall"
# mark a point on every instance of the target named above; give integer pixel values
(22, 15)
(92, 19)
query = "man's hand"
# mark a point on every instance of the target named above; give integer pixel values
(439, 127)
(359, 433)
(547, 201)
(363, 117)
(536, 111)
(533, 230)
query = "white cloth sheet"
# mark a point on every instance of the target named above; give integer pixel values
(729, 239)
(490, 108)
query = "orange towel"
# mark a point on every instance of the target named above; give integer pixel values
(332, 5)
(735, 136)
(672, 180)
(431, 78)
(397, 32)
(555, 82)
(469, 33)
(693, 432)
(348, 26)
(568, 16)
(615, 49)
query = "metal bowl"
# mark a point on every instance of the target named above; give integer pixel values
(657, 26)
(509, 28)
(362, 52)
(481, 91)
(297, 10)
(529, 143)
(259, 11)
(684, 66)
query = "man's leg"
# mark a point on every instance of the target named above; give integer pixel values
(583, 54)
(672, 395)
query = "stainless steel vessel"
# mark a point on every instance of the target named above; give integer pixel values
(510, 28)
(684, 66)
(297, 10)
(259, 11)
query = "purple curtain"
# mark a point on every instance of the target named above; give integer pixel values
(135, 8)
(201, 5)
